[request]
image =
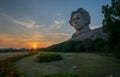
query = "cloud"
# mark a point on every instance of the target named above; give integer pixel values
(59, 22)
(28, 23)
(9, 40)
(56, 37)
(44, 34)
(56, 22)
(94, 27)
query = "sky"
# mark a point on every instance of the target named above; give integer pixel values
(42, 22)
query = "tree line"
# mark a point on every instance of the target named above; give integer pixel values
(86, 45)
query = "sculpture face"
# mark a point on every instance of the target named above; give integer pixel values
(78, 21)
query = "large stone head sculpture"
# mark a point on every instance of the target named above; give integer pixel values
(79, 19)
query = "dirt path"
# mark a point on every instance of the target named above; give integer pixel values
(87, 65)
(30, 68)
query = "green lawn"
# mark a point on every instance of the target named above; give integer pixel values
(87, 65)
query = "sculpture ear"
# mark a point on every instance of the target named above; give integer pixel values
(86, 16)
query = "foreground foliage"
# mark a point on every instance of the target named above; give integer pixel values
(111, 22)
(6, 66)
(111, 25)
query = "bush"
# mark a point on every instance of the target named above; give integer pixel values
(48, 57)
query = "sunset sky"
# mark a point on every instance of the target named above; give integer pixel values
(44, 22)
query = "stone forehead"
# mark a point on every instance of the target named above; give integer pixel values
(77, 14)
(84, 13)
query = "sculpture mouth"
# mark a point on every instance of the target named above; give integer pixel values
(77, 27)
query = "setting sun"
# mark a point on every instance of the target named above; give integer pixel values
(34, 45)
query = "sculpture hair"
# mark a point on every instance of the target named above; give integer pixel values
(84, 13)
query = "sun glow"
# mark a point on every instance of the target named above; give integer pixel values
(34, 45)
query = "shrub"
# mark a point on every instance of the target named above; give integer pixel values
(7, 68)
(48, 57)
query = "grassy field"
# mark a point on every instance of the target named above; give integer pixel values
(10, 54)
(87, 65)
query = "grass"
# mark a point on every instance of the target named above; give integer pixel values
(10, 54)
(58, 75)
(87, 65)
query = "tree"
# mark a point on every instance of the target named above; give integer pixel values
(68, 46)
(78, 47)
(111, 22)
(98, 43)
(87, 44)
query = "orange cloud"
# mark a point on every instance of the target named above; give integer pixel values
(40, 44)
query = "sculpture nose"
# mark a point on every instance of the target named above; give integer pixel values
(75, 22)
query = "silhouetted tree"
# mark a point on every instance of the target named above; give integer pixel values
(69, 46)
(78, 47)
(111, 22)
(87, 44)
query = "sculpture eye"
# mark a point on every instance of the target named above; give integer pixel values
(73, 19)
(78, 18)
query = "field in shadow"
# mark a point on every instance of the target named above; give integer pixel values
(86, 65)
